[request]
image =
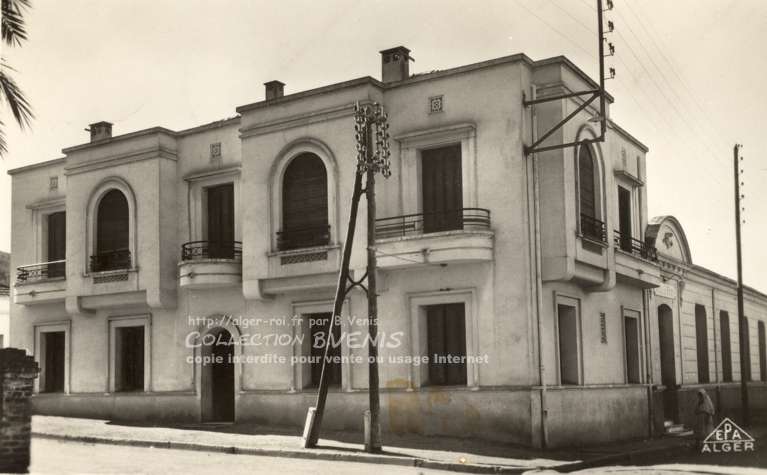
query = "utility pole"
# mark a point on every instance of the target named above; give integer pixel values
(745, 372)
(372, 133)
(372, 138)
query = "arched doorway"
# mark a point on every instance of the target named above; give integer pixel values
(218, 376)
(667, 361)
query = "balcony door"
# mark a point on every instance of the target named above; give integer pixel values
(442, 189)
(113, 233)
(624, 218)
(57, 243)
(221, 221)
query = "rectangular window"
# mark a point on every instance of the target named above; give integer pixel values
(446, 337)
(129, 362)
(567, 320)
(762, 353)
(442, 189)
(701, 340)
(220, 225)
(632, 349)
(318, 327)
(1, 341)
(52, 360)
(57, 243)
(724, 332)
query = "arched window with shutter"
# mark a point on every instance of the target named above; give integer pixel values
(304, 204)
(112, 233)
(588, 186)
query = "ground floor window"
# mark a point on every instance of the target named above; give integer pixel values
(318, 328)
(52, 349)
(446, 340)
(568, 339)
(631, 330)
(129, 354)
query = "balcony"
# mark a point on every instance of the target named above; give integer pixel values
(444, 237)
(210, 264)
(41, 283)
(636, 261)
(593, 229)
(299, 238)
(628, 244)
(104, 261)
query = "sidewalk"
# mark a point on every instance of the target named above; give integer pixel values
(453, 454)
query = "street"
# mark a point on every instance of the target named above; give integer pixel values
(52, 456)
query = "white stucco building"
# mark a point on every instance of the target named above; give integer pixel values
(129, 249)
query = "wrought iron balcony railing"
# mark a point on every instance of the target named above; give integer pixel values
(42, 271)
(424, 223)
(634, 246)
(111, 260)
(211, 250)
(593, 229)
(309, 236)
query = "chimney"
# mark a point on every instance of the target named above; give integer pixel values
(100, 131)
(274, 90)
(395, 64)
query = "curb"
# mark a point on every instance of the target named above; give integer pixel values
(320, 454)
(622, 457)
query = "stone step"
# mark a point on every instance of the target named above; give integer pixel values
(684, 433)
(675, 429)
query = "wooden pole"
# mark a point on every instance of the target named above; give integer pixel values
(373, 436)
(745, 372)
(312, 427)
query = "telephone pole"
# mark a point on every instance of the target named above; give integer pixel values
(371, 128)
(745, 372)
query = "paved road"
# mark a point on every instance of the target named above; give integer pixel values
(52, 456)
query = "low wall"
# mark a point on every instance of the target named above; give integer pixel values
(580, 416)
(17, 374)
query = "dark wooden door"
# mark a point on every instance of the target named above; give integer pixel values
(318, 330)
(54, 344)
(442, 189)
(57, 243)
(221, 221)
(446, 336)
(624, 218)
(724, 332)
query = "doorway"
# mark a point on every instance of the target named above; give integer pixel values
(218, 377)
(667, 362)
(221, 221)
(442, 189)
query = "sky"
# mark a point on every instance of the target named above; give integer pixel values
(688, 83)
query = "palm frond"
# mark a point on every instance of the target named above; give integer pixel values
(11, 94)
(3, 146)
(12, 27)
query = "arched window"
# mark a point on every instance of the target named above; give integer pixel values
(591, 226)
(304, 204)
(112, 233)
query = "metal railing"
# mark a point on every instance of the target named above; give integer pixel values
(424, 223)
(41, 271)
(593, 229)
(634, 246)
(211, 250)
(309, 236)
(111, 260)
